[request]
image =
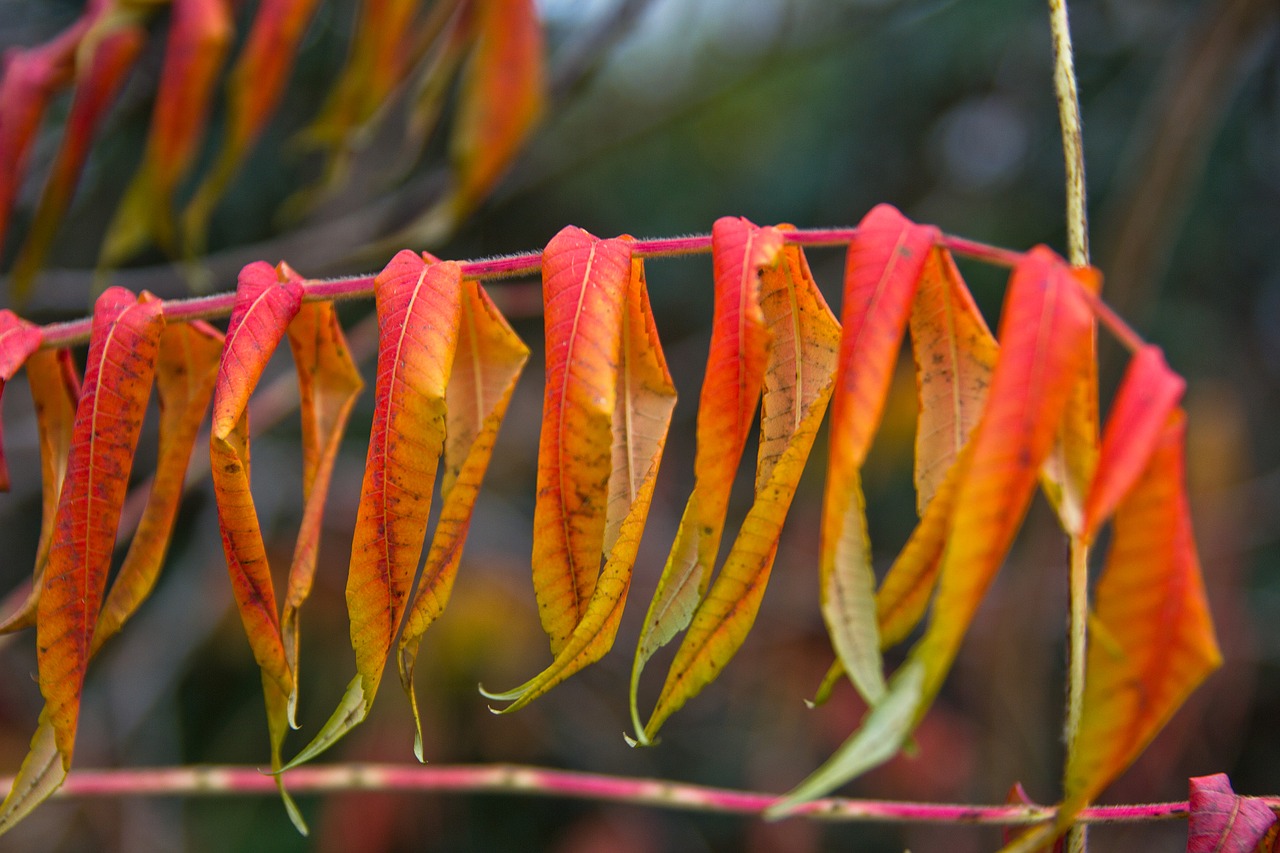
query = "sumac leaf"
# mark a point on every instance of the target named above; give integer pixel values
(1222, 821)
(18, 340)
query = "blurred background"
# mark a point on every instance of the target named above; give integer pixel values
(663, 115)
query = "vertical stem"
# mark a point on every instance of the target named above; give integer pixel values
(1064, 80)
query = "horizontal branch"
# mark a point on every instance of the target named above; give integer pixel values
(76, 332)
(534, 781)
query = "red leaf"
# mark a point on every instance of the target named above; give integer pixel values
(117, 382)
(18, 339)
(1221, 821)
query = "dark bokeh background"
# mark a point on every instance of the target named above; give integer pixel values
(780, 110)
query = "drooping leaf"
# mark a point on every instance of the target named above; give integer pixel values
(32, 76)
(584, 283)
(490, 357)
(1151, 608)
(199, 36)
(117, 382)
(1222, 821)
(884, 263)
(186, 369)
(501, 98)
(726, 408)
(798, 382)
(328, 383)
(254, 88)
(55, 388)
(267, 299)
(40, 775)
(18, 340)
(418, 312)
(954, 354)
(99, 76)
(644, 399)
(1147, 396)
(1044, 340)
(1070, 466)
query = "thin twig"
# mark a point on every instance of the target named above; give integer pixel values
(537, 781)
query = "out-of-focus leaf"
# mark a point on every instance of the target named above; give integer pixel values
(1148, 394)
(490, 359)
(267, 299)
(450, 35)
(186, 369)
(1070, 466)
(199, 36)
(1151, 607)
(1221, 821)
(1044, 341)
(328, 383)
(798, 381)
(726, 408)
(18, 340)
(883, 265)
(31, 78)
(502, 95)
(644, 398)
(254, 88)
(99, 76)
(117, 382)
(55, 388)
(418, 312)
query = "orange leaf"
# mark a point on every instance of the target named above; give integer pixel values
(954, 354)
(418, 313)
(644, 399)
(798, 381)
(501, 98)
(884, 262)
(490, 359)
(31, 78)
(18, 340)
(199, 36)
(1153, 639)
(118, 375)
(726, 408)
(111, 57)
(1044, 342)
(584, 283)
(1069, 469)
(39, 776)
(55, 387)
(254, 87)
(186, 369)
(328, 383)
(1148, 394)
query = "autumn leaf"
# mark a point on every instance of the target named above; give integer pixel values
(726, 408)
(1044, 340)
(254, 87)
(186, 369)
(883, 265)
(1221, 821)
(18, 340)
(117, 382)
(489, 360)
(267, 299)
(1153, 639)
(55, 388)
(40, 775)
(501, 97)
(799, 376)
(644, 398)
(199, 35)
(32, 76)
(418, 312)
(99, 75)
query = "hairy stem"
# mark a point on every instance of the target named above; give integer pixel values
(537, 781)
(76, 332)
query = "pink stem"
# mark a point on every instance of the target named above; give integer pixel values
(212, 781)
